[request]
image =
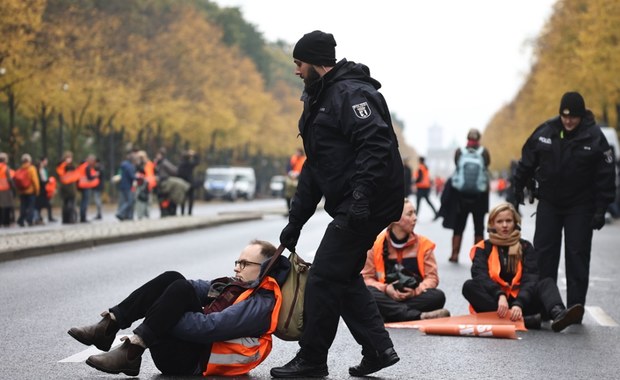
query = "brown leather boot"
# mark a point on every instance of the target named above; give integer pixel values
(101, 335)
(126, 358)
(456, 248)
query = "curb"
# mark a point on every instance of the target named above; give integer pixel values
(29, 244)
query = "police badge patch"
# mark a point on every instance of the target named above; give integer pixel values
(362, 110)
(609, 156)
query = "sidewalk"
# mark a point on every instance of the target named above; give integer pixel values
(32, 241)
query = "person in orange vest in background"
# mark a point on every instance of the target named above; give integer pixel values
(295, 164)
(6, 191)
(98, 190)
(48, 188)
(89, 179)
(145, 183)
(505, 277)
(68, 177)
(26, 181)
(401, 272)
(186, 330)
(423, 186)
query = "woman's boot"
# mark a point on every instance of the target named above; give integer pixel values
(456, 248)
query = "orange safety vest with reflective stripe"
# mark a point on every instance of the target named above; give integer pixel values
(239, 356)
(4, 180)
(424, 245)
(84, 182)
(495, 268)
(149, 174)
(67, 177)
(425, 181)
(297, 162)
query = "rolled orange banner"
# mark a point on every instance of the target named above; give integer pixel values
(488, 331)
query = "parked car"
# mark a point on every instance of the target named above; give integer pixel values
(230, 182)
(276, 186)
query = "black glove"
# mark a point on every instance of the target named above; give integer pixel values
(359, 211)
(519, 196)
(290, 235)
(598, 220)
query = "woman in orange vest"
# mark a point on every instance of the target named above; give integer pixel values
(505, 277)
(184, 332)
(6, 191)
(423, 186)
(413, 294)
(68, 177)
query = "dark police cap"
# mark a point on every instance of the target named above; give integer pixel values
(572, 104)
(316, 48)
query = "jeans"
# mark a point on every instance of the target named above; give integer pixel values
(125, 205)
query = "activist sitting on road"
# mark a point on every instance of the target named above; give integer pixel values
(413, 294)
(188, 329)
(505, 277)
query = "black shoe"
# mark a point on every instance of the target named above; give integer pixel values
(568, 317)
(101, 335)
(370, 365)
(299, 367)
(126, 359)
(532, 322)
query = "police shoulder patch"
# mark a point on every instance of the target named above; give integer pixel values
(609, 156)
(362, 110)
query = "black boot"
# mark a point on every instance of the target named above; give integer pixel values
(126, 359)
(532, 322)
(300, 367)
(370, 365)
(562, 317)
(101, 335)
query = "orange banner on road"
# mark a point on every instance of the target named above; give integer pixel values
(487, 331)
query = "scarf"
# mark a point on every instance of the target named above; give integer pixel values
(515, 253)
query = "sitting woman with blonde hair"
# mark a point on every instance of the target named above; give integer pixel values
(505, 277)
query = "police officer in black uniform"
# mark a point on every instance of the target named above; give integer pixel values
(354, 163)
(571, 161)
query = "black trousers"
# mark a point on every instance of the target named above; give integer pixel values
(336, 289)
(409, 309)
(466, 207)
(545, 296)
(189, 199)
(161, 302)
(550, 221)
(423, 194)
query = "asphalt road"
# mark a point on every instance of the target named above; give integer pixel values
(42, 297)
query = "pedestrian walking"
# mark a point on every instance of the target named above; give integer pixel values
(354, 163)
(423, 186)
(26, 180)
(573, 165)
(126, 199)
(7, 189)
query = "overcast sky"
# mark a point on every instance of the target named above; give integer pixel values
(447, 63)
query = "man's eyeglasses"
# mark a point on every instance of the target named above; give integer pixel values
(243, 263)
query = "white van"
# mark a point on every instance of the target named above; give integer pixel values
(230, 182)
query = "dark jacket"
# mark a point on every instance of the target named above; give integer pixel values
(575, 172)
(529, 276)
(350, 145)
(248, 318)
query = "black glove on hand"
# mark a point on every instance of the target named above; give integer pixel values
(359, 211)
(519, 196)
(289, 236)
(598, 220)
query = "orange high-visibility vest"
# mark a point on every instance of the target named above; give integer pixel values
(149, 174)
(424, 245)
(239, 356)
(297, 163)
(425, 182)
(84, 182)
(50, 187)
(67, 177)
(512, 289)
(4, 180)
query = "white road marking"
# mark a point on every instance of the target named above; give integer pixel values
(92, 350)
(601, 317)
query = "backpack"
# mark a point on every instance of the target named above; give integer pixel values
(291, 317)
(22, 179)
(471, 175)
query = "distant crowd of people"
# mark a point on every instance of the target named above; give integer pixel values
(27, 191)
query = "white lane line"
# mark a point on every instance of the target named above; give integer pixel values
(92, 350)
(601, 317)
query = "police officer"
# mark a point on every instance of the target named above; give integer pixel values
(354, 163)
(572, 163)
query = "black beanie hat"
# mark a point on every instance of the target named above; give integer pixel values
(572, 104)
(316, 48)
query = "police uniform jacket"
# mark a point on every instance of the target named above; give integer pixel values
(350, 145)
(575, 171)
